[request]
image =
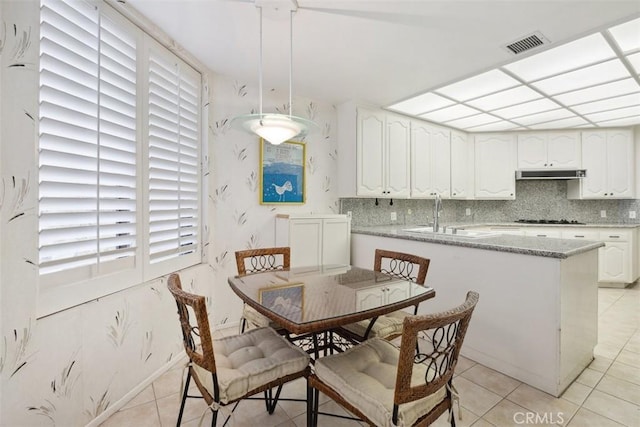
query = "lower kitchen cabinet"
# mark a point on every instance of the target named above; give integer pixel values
(315, 240)
(375, 297)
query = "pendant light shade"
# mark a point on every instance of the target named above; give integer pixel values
(276, 128)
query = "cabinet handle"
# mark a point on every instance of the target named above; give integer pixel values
(454, 194)
(614, 237)
(578, 235)
(545, 164)
(541, 235)
(550, 164)
(511, 194)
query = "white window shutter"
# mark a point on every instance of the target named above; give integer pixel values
(174, 152)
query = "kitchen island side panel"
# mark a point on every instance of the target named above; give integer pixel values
(516, 327)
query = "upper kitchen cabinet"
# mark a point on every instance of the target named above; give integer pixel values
(549, 150)
(608, 156)
(495, 165)
(430, 161)
(461, 166)
(378, 144)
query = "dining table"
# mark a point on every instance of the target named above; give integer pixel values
(314, 303)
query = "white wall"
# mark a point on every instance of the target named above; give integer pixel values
(70, 367)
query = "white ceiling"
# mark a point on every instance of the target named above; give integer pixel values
(375, 51)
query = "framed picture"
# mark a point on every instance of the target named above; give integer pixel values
(287, 300)
(282, 173)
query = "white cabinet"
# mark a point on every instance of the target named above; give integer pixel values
(615, 260)
(430, 160)
(378, 296)
(542, 232)
(315, 240)
(461, 166)
(495, 165)
(608, 156)
(382, 154)
(549, 150)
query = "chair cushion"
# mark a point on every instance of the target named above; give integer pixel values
(256, 319)
(249, 360)
(386, 326)
(365, 376)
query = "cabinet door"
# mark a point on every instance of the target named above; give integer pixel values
(336, 241)
(563, 150)
(542, 232)
(532, 151)
(397, 156)
(305, 241)
(397, 292)
(441, 162)
(620, 159)
(495, 166)
(421, 183)
(370, 152)
(614, 263)
(594, 160)
(461, 173)
(369, 298)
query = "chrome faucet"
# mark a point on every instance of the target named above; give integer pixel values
(437, 208)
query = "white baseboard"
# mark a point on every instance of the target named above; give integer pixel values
(135, 391)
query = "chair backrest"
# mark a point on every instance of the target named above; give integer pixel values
(445, 332)
(196, 337)
(266, 259)
(401, 265)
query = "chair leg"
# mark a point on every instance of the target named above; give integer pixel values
(310, 407)
(270, 400)
(214, 418)
(243, 324)
(184, 397)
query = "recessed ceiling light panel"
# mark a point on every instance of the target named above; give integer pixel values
(584, 51)
(477, 120)
(561, 124)
(508, 97)
(584, 77)
(421, 104)
(614, 114)
(607, 90)
(483, 84)
(634, 60)
(628, 121)
(491, 127)
(627, 35)
(527, 108)
(547, 116)
(609, 104)
(450, 113)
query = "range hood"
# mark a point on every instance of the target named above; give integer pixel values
(551, 173)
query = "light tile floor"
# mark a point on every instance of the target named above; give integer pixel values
(606, 394)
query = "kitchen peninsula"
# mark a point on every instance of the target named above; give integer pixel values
(537, 319)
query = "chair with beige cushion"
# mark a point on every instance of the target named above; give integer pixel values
(256, 261)
(399, 265)
(229, 369)
(384, 385)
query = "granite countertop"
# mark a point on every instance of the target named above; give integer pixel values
(535, 246)
(522, 224)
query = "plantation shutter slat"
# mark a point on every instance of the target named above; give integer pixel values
(88, 138)
(173, 158)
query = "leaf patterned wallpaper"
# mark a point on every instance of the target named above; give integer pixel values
(70, 367)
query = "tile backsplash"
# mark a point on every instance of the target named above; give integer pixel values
(534, 200)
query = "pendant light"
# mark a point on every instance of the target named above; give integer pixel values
(275, 127)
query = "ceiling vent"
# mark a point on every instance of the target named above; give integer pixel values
(527, 43)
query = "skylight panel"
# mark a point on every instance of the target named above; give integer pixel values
(483, 84)
(527, 108)
(579, 53)
(627, 35)
(450, 113)
(614, 114)
(477, 120)
(547, 116)
(609, 104)
(560, 124)
(508, 97)
(621, 87)
(421, 104)
(593, 75)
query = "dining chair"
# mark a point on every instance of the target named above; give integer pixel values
(402, 266)
(384, 385)
(232, 368)
(257, 261)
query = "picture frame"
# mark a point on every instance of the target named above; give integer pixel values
(282, 173)
(287, 300)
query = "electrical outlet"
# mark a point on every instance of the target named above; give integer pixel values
(409, 212)
(394, 216)
(467, 212)
(632, 214)
(603, 214)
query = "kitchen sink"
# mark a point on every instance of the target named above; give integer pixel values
(473, 234)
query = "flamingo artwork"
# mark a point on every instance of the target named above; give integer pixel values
(281, 189)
